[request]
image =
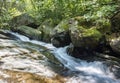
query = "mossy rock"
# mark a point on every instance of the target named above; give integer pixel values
(65, 24)
(104, 26)
(23, 19)
(83, 33)
(82, 21)
(29, 32)
(61, 36)
(47, 30)
(85, 38)
(62, 26)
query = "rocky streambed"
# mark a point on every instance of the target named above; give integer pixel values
(24, 62)
(30, 61)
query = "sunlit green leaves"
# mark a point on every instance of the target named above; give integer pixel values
(58, 9)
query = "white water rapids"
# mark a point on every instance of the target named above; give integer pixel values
(88, 72)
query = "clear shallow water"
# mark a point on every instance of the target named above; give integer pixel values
(85, 72)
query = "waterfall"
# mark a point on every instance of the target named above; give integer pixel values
(88, 72)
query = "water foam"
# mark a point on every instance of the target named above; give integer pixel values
(94, 72)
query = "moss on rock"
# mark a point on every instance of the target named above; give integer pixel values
(103, 25)
(47, 30)
(63, 26)
(85, 38)
(29, 32)
(23, 19)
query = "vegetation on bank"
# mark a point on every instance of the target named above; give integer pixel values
(57, 10)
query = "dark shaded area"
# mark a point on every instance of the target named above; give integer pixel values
(33, 25)
(8, 35)
(61, 39)
(107, 50)
(81, 53)
(115, 22)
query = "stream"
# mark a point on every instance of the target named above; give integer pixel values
(21, 56)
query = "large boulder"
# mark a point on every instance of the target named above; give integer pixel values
(46, 29)
(80, 32)
(60, 34)
(89, 35)
(85, 38)
(115, 45)
(29, 32)
(23, 19)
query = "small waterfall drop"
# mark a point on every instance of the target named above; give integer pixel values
(93, 72)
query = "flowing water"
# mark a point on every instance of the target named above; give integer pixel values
(74, 70)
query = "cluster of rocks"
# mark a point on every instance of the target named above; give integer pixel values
(80, 34)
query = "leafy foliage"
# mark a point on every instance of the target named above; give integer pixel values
(57, 9)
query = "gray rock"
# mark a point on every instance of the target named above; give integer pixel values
(115, 45)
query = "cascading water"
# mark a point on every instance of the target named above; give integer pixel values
(87, 72)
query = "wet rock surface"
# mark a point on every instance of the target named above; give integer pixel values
(9, 76)
(25, 62)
